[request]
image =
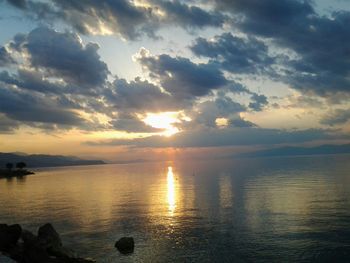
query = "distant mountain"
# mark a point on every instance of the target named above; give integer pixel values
(295, 151)
(42, 160)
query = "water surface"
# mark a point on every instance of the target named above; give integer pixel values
(292, 209)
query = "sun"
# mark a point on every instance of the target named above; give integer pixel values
(163, 120)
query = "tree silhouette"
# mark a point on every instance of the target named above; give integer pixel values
(21, 165)
(9, 166)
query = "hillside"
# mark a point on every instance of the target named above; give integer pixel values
(42, 160)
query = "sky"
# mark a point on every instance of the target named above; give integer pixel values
(162, 79)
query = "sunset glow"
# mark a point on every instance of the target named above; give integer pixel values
(164, 120)
(95, 78)
(188, 131)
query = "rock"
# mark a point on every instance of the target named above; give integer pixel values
(34, 253)
(62, 252)
(4, 259)
(44, 248)
(49, 238)
(28, 237)
(9, 236)
(33, 250)
(16, 253)
(80, 260)
(125, 245)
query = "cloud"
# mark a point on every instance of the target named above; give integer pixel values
(321, 61)
(241, 123)
(7, 125)
(235, 54)
(259, 101)
(124, 18)
(190, 16)
(225, 137)
(268, 17)
(31, 80)
(5, 57)
(18, 3)
(62, 55)
(179, 76)
(336, 117)
(27, 107)
(206, 113)
(131, 123)
(139, 96)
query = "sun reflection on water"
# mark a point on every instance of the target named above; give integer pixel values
(171, 195)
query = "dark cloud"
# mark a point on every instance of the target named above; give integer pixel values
(131, 123)
(182, 78)
(322, 64)
(190, 16)
(241, 123)
(336, 117)
(235, 54)
(303, 101)
(268, 17)
(58, 74)
(5, 57)
(226, 137)
(30, 80)
(121, 17)
(7, 125)
(63, 55)
(94, 16)
(27, 107)
(139, 96)
(258, 102)
(208, 111)
(59, 94)
(18, 3)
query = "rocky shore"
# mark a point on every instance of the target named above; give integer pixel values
(14, 173)
(46, 247)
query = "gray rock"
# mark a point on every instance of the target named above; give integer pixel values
(125, 245)
(44, 248)
(48, 237)
(28, 237)
(4, 259)
(9, 236)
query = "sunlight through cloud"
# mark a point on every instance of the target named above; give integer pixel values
(164, 120)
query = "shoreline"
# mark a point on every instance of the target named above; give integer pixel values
(14, 173)
(46, 246)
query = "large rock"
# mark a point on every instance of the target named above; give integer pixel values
(125, 245)
(32, 249)
(4, 259)
(32, 252)
(48, 237)
(44, 248)
(9, 236)
(28, 237)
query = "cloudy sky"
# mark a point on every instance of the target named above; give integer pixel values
(151, 79)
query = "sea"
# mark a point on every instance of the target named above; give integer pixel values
(279, 209)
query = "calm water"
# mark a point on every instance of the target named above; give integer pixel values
(253, 210)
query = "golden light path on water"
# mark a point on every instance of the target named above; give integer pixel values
(171, 194)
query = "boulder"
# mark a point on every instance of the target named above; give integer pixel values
(4, 259)
(125, 245)
(9, 236)
(49, 238)
(44, 248)
(28, 237)
(62, 252)
(32, 252)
